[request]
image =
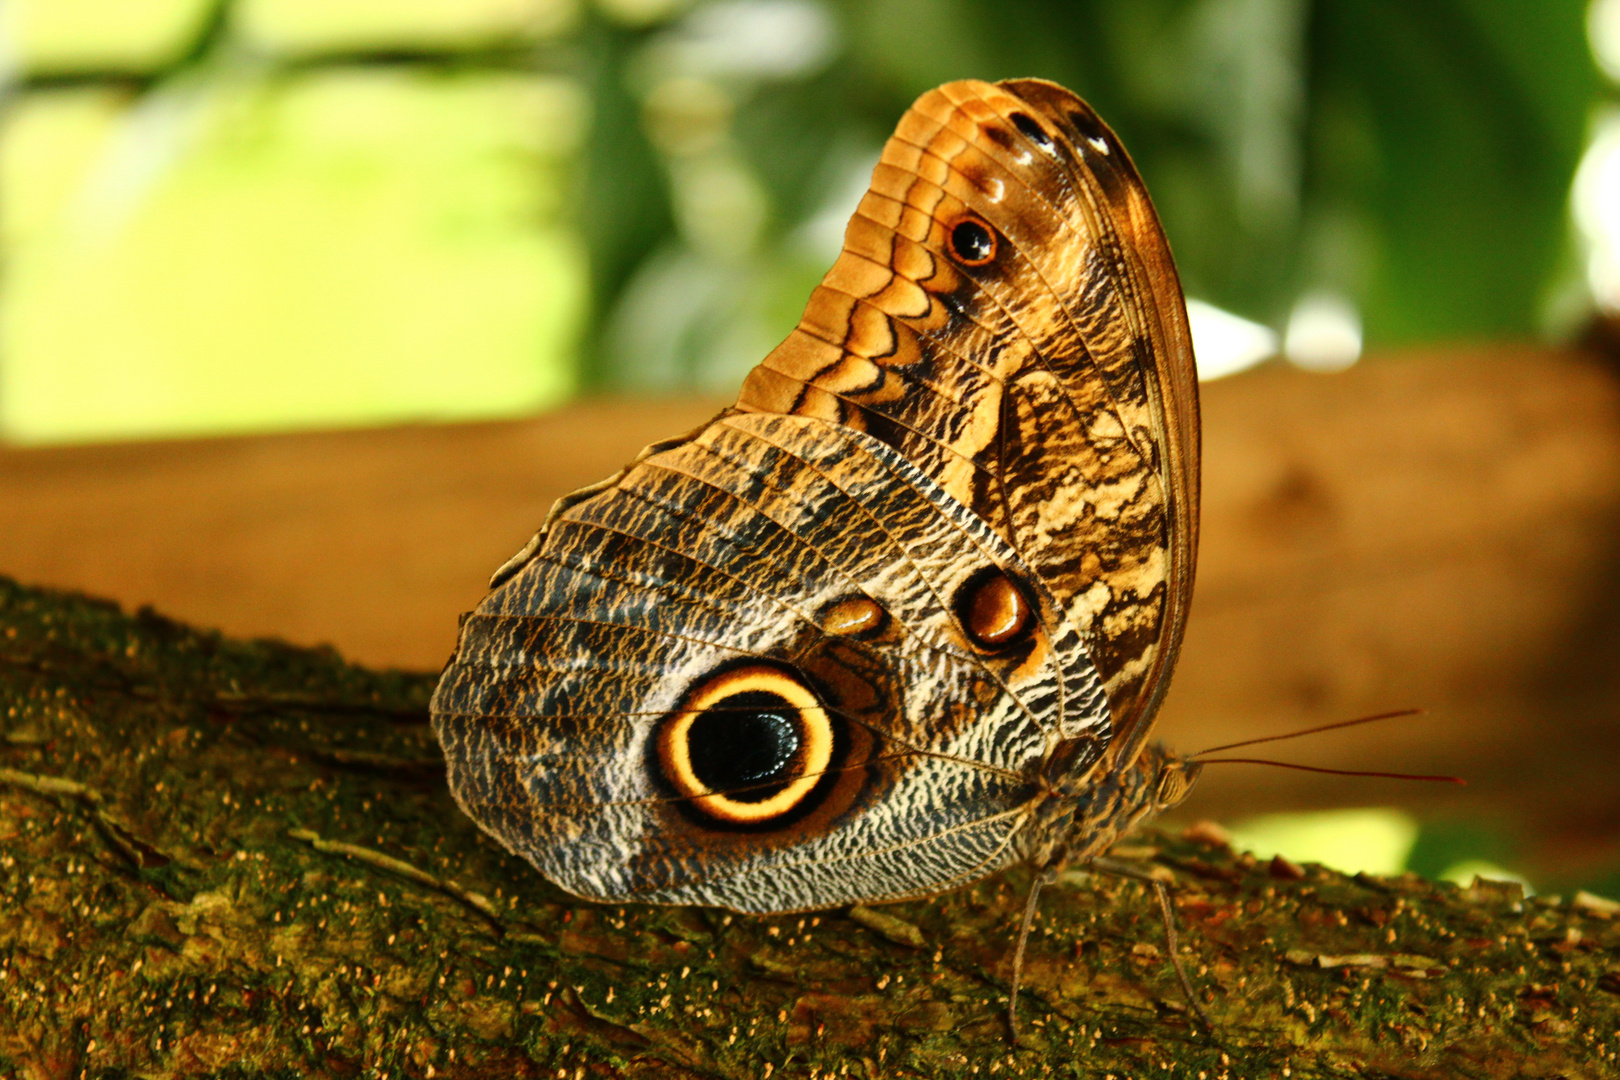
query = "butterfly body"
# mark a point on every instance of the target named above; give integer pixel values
(902, 616)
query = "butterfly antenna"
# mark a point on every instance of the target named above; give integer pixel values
(1310, 731)
(1333, 772)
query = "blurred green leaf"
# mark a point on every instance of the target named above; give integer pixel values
(1416, 158)
(1451, 130)
(622, 201)
(321, 26)
(130, 36)
(350, 246)
(1444, 842)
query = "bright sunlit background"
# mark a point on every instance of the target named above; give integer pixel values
(226, 216)
(241, 215)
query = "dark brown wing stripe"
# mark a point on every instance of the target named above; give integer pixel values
(1065, 322)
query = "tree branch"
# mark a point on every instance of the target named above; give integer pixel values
(239, 856)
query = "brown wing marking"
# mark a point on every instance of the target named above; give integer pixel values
(1162, 348)
(1051, 390)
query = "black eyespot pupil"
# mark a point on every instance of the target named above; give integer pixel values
(744, 745)
(1032, 131)
(972, 242)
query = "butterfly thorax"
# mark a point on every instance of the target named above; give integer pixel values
(1088, 813)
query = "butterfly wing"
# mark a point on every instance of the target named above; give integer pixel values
(770, 557)
(822, 649)
(1045, 376)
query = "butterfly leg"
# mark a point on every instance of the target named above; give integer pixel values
(1172, 940)
(1040, 879)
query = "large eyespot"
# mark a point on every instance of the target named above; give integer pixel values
(973, 242)
(748, 745)
(994, 611)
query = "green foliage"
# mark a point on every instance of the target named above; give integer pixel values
(180, 257)
(340, 246)
(1415, 158)
(1468, 117)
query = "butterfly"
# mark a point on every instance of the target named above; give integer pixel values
(903, 615)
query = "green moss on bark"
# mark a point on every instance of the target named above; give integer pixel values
(239, 859)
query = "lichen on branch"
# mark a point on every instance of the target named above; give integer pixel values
(228, 857)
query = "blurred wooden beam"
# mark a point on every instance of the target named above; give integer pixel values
(372, 541)
(1435, 530)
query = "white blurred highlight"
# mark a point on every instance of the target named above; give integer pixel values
(1224, 343)
(1324, 333)
(749, 39)
(1603, 31)
(1597, 211)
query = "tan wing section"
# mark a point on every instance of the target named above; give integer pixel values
(1006, 314)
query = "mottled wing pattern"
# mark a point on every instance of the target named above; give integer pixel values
(841, 643)
(736, 546)
(1050, 387)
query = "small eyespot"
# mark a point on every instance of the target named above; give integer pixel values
(856, 616)
(973, 242)
(1032, 130)
(994, 610)
(1091, 130)
(747, 745)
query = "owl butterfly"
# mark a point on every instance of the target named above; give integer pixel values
(903, 615)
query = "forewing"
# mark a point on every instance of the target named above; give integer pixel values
(1049, 387)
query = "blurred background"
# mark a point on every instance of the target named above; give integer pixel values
(308, 308)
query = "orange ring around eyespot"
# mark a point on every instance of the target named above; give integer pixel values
(815, 749)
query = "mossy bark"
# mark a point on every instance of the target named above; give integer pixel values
(239, 858)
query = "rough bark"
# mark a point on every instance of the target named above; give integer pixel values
(1433, 530)
(238, 858)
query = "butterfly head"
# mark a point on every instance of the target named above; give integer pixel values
(1107, 803)
(1172, 777)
